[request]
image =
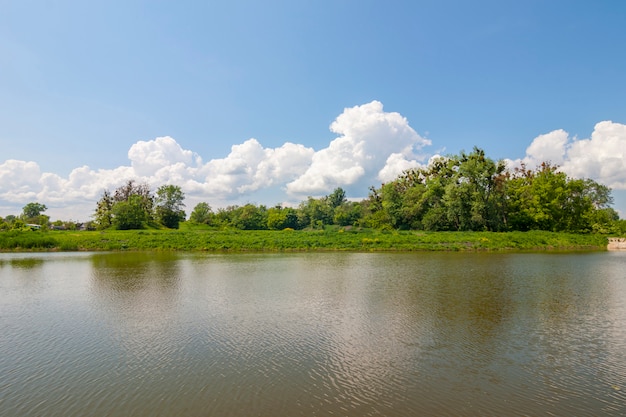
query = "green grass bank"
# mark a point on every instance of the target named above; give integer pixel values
(190, 239)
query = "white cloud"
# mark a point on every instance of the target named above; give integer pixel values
(249, 167)
(280, 165)
(549, 147)
(601, 157)
(18, 177)
(372, 147)
(149, 157)
(396, 164)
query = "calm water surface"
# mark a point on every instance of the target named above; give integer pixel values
(348, 334)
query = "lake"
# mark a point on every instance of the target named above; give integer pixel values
(313, 334)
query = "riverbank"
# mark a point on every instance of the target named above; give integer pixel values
(292, 240)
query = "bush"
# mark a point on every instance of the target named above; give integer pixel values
(26, 240)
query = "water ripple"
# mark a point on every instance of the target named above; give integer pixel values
(339, 334)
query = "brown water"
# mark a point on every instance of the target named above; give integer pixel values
(348, 334)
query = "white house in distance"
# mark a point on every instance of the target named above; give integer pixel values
(617, 243)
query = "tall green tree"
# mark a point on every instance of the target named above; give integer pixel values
(103, 216)
(33, 213)
(315, 213)
(336, 198)
(145, 198)
(279, 218)
(131, 200)
(372, 209)
(130, 214)
(461, 192)
(472, 197)
(249, 217)
(169, 206)
(201, 213)
(348, 213)
(33, 209)
(546, 199)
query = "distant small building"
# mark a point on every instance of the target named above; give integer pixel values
(617, 243)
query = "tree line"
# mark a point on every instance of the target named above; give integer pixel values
(465, 192)
(471, 192)
(314, 213)
(131, 206)
(134, 206)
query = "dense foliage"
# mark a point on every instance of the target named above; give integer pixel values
(472, 192)
(314, 213)
(169, 206)
(133, 206)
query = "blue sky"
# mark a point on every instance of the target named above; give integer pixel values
(234, 101)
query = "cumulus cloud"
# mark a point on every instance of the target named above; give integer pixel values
(602, 157)
(149, 158)
(371, 146)
(18, 180)
(250, 167)
(550, 147)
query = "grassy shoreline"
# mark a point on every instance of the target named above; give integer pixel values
(191, 239)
